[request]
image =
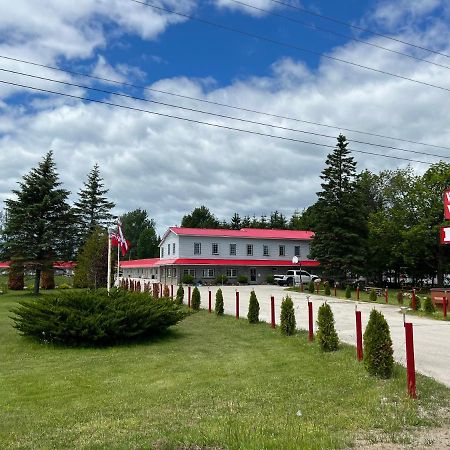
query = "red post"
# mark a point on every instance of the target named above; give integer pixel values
(410, 364)
(171, 291)
(272, 311)
(237, 305)
(317, 288)
(335, 292)
(359, 347)
(357, 292)
(209, 300)
(444, 304)
(310, 321)
(386, 295)
(189, 296)
(413, 300)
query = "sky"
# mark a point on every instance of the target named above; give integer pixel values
(268, 56)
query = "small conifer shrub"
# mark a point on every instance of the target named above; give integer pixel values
(311, 287)
(221, 279)
(378, 352)
(418, 304)
(326, 333)
(195, 300)
(400, 297)
(155, 290)
(327, 289)
(180, 295)
(287, 317)
(166, 291)
(373, 295)
(253, 309)
(218, 307)
(187, 279)
(48, 279)
(428, 306)
(348, 291)
(270, 279)
(242, 279)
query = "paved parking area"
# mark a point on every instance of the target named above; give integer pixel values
(431, 337)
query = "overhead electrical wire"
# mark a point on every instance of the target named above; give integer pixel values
(356, 27)
(222, 116)
(327, 30)
(288, 45)
(278, 116)
(215, 125)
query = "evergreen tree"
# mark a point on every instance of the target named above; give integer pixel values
(326, 333)
(147, 245)
(246, 222)
(39, 219)
(341, 229)
(253, 309)
(218, 307)
(287, 317)
(92, 208)
(263, 221)
(236, 222)
(277, 221)
(180, 295)
(201, 217)
(196, 299)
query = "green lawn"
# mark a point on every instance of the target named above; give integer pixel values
(212, 383)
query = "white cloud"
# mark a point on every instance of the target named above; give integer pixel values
(241, 5)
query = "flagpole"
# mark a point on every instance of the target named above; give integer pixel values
(118, 265)
(108, 277)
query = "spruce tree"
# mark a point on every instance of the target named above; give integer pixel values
(341, 227)
(180, 295)
(253, 309)
(92, 208)
(195, 301)
(326, 333)
(287, 317)
(39, 219)
(218, 308)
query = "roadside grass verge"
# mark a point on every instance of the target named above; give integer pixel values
(213, 382)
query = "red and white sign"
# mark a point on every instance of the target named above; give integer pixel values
(445, 235)
(447, 204)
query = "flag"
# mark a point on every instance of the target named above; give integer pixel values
(118, 240)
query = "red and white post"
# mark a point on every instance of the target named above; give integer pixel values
(359, 346)
(189, 296)
(386, 295)
(209, 301)
(272, 311)
(444, 304)
(410, 363)
(237, 304)
(310, 321)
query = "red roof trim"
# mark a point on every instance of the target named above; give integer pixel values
(140, 263)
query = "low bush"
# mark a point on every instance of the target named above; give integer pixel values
(195, 300)
(348, 291)
(77, 318)
(373, 295)
(180, 295)
(166, 291)
(326, 286)
(187, 279)
(64, 286)
(253, 309)
(378, 352)
(155, 289)
(270, 279)
(311, 287)
(242, 279)
(218, 307)
(221, 279)
(428, 306)
(326, 333)
(48, 279)
(287, 317)
(400, 297)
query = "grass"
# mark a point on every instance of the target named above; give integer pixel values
(211, 383)
(29, 281)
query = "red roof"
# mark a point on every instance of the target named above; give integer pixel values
(145, 263)
(250, 233)
(56, 265)
(4, 265)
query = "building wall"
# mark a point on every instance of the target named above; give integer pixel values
(169, 242)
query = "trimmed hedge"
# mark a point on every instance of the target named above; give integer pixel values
(373, 295)
(287, 317)
(253, 309)
(326, 333)
(195, 300)
(218, 307)
(180, 295)
(95, 318)
(348, 291)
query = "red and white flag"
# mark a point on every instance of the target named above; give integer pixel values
(118, 240)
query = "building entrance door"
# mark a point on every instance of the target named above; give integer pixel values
(252, 275)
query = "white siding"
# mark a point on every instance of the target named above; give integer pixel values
(170, 239)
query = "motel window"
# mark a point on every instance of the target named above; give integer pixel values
(168, 249)
(297, 250)
(231, 273)
(282, 250)
(215, 249)
(232, 249)
(249, 249)
(174, 271)
(173, 248)
(162, 252)
(265, 250)
(189, 272)
(208, 273)
(169, 272)
(197, 248)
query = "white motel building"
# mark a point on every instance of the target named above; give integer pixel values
(207, 253)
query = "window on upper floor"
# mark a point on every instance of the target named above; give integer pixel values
(232, 249)
(282, 250)
(197, 248)
(168, 249)
(297, 250)
(249, 249)
(173, 248)
(162, 252)
(265, 250)
(215, 248)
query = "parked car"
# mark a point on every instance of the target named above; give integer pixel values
(293, 276)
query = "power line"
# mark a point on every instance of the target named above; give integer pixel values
(355, 27)
(327, 30)
(223, 116)
(225, 127)
(145, 88)
(286, 44)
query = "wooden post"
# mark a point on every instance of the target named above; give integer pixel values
(410, 364)
(386, 295)
(171, 291)
(310, 322)
(272, 311)
(209, 301)
(357, 292)
(359, 347)
(189, 296)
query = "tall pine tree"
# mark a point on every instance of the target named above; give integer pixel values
(38, 220)
(92, 208)
(341, 228)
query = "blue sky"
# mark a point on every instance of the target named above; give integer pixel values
(168, 167)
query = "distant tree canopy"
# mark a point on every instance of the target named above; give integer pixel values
(200, 217)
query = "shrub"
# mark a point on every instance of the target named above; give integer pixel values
(242, 279)
(195, 299)
(270, 279)
(187, 279)
(311, 287)
(418, 304)
(287, 317)
(348, 291)
(48, 279)
(428, 306)
(218, 308)
(373, 295)
(77, 318)
(180, 295)
(16, 280)
(155, 289)
(64, 286)
(166, 291)
(326, 333)
(400, 297)
(327, 289)
(378, 352)
(253, 309)
(221, 279)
